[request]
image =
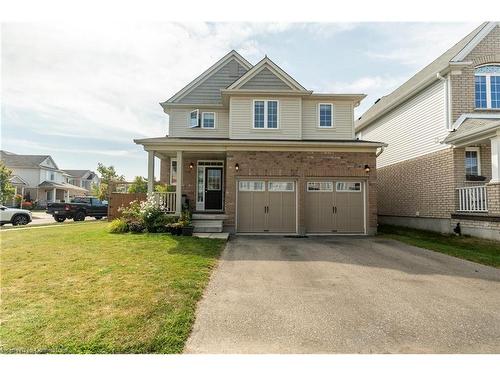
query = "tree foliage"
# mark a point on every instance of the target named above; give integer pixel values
(139, 185)
(7, 190)
(107, 176)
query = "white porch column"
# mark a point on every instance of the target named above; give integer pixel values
(495, 158)
(178, 186)
(151, 171)
(54, 195)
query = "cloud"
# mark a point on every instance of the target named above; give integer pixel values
(417, 44)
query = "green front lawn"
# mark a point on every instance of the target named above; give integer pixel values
(80, 289)
(465, 247)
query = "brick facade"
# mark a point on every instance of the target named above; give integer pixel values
(462, 86)
(297, 165)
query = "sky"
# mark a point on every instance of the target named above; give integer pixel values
(82, 92)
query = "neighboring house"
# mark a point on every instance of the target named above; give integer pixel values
(37, 178)
(442, 165)
(250, 146)
(83, 178)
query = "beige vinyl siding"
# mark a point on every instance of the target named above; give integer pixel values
(208, 92)
(179, 124)
(343, 121)
(265, 80)
(413, 129)
(241, 119)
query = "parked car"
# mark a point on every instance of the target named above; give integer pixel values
(14, 216)
(78, 209)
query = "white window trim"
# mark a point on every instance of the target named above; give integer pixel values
(265, 114)
(488, 87)
(478, 152)
(170, 172)
(197, 119)
(203, 120)
(319, 116)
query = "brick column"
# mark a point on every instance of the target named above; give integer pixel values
(493, 193)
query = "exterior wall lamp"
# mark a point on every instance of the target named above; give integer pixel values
(191, 165)
(237, 167)
(367, 168)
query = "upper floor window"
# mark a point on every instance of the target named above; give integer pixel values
(325, 115)
(208, 120)
(487, 86)
(194, 118)
(265, 114)
(51, 175)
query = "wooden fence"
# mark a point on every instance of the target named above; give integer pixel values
(117, 200)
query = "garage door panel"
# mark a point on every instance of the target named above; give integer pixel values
(319, 202)
(350, 207)
(266, 206)
(282, 212)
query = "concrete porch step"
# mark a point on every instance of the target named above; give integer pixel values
(204, 216)
(207, 226)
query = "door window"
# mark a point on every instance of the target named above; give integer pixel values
(348, 186)
(214, 180)
(252, 186)
(320, 186)
(280, 186)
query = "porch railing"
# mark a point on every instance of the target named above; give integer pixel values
(472, 199)
(166, 200)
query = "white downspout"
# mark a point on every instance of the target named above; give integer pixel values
(446, 99)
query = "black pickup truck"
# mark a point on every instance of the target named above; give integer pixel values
(78, 209)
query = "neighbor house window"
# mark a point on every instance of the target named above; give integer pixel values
(487, 86)
(208, 120)
(472, 162)
(265, 114)
(173, 171)
(194, 118)
(325, 115)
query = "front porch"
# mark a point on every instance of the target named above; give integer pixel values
(199, 179)
(477, 177)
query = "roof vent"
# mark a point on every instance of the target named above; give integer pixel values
(376, 101)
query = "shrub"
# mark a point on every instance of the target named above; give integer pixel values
(136, 226)
(27, 205)
(153, 216)
(118, 226)
(132, 212)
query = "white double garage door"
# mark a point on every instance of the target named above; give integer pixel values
(329, 206)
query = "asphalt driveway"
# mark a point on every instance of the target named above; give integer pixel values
(346, 295)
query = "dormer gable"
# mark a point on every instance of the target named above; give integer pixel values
(268, 76)
(205, 89)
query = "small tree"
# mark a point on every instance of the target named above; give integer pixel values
(7, 190)
(107, 175)
(139, 185)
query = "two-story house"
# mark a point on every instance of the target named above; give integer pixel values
(442, 165)
(38, 178)
(83, 178)
(250, 146)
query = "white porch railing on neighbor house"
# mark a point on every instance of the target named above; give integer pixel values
(472, 199)
(166, 200)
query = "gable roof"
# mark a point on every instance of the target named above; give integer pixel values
(426, 76)
(77, 173)
(267, 63)
(207, 73)
(471, 128)
(27, 161)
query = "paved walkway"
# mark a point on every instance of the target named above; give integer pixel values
(346, 295)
